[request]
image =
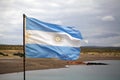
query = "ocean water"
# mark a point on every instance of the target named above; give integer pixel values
(75, 72)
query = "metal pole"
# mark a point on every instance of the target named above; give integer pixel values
(24, 24)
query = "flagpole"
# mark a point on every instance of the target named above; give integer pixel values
(24, 24)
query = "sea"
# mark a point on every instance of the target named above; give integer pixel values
(73, 72)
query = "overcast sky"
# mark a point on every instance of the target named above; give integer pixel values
(98, 20)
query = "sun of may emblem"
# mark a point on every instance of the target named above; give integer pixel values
(58, 38)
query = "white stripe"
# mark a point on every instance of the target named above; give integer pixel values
(51, 38)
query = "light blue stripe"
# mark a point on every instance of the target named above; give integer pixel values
(45, 51)
(34, 24)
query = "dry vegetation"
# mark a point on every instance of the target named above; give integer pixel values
(10, 51)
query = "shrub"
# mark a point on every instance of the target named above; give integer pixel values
(3, 54)
(19, 54)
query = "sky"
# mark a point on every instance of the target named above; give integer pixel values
(98, 20)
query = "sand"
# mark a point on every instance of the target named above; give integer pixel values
(10, 65)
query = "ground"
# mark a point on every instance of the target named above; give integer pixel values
(9, 65)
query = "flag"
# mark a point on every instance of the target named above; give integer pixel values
(46, 40)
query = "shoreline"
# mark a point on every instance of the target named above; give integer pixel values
(16, 65)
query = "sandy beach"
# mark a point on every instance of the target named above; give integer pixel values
(16, 65)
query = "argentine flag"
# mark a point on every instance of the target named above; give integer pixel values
(46, 40)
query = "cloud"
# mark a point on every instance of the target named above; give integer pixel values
(1, 35)
(79, 13)
(109, 41)
(57, 22)
(106, 35)
(106, 18)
